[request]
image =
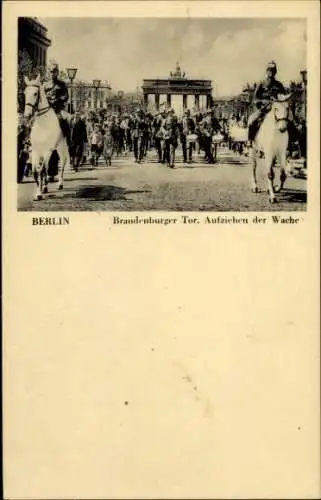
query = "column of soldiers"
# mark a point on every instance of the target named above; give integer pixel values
(107, 135)
(140, 131)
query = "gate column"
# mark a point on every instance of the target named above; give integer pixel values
(184, 101)
(157, 101)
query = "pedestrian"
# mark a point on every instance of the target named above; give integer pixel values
(78, 141)
(96, 144)
(108, 146)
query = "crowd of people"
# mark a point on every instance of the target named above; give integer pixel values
(109, 134)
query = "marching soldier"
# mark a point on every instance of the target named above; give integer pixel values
(139, 129)
(206, 129)
(157, 134)
(170, 128)
(187, 127)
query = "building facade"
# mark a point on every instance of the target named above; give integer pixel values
(32, 38)
(225, 107)
(85, 97)
(177, 91)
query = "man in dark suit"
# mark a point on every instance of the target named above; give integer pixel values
(78, 141)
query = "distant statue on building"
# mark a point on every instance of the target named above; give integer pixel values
(178, 72)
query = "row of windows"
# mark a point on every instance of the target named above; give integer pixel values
(87, 104)
(90, 94)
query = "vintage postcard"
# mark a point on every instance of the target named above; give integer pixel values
(161, 206)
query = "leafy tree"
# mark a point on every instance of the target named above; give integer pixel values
(26, 67)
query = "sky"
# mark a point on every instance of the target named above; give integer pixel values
(230, 52)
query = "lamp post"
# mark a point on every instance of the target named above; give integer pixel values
(71, 72)
(96, 84)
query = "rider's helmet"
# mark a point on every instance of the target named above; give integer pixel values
(53, 67)
(272, 66)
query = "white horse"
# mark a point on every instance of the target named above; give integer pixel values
(46, 135)
(273, 139)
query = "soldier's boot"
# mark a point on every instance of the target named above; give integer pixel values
(64, 125)
(253, 129)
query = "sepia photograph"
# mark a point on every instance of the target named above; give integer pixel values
(162, 114)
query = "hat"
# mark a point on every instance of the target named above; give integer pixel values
(53, 66)
(272, 65)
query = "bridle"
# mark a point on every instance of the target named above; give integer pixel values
(277, 120)
(34, 106)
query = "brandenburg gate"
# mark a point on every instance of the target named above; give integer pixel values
(178, 92)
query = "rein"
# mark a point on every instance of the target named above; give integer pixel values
(43, 111)
(277, 120)
(39, 112)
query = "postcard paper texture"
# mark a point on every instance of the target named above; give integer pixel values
(161, 208)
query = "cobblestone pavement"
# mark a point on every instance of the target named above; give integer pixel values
(127, 186)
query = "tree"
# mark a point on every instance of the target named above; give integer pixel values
(297, 101)
(27, 68)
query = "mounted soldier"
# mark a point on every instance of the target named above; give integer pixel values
(266, 92)
(57, 95)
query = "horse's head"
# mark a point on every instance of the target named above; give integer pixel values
(32, 96)
(280, 110)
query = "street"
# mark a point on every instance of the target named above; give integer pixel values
(127, 186)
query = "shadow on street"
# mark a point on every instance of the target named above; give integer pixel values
(105, 193)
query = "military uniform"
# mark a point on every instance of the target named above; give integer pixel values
(158, 135)
(207, 131)
(266, 91)
(57, 96)
(170, 127)
(139, 128)
(187, 126)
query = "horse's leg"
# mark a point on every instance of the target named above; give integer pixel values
(44, 172)
(63, 153)
(45, 179)
(36, 167)
(253, 155)
(270, 176)
(282, 162)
